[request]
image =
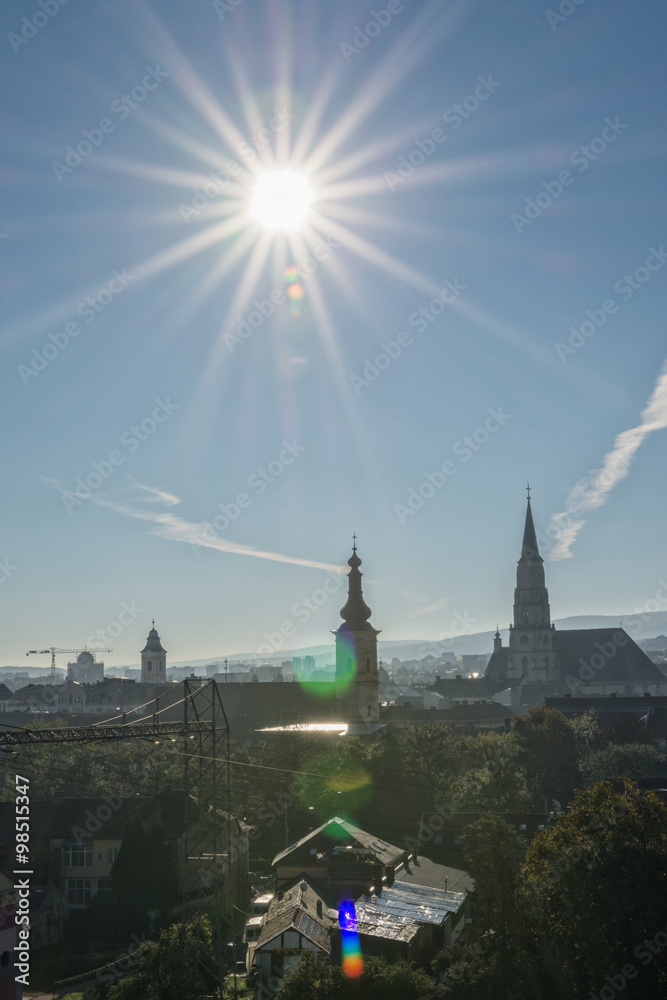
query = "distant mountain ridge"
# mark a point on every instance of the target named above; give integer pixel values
(640, 626)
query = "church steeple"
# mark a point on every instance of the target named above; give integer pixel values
(532, 654)
(357, 679)
(355, 613)
(153, 659)
(529, 549)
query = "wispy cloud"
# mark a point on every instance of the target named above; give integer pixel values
(415, 598)
(593, 491)
(436, 606)
(136, 501)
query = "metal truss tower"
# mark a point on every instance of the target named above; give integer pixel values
(207, 839)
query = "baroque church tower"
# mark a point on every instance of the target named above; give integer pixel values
(532, 654)
(357, 680)
(153, 659)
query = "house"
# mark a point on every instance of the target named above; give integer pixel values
(86, 835)
(489, 716)
(5, 696)
(340, 856)
(408, 921)
(298, 921)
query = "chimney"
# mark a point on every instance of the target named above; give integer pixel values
(319, 907)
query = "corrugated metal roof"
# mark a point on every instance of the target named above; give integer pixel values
(407, 902)
(390, 928)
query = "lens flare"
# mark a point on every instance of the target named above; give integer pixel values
(353, 962)
(281, 200)
(295, 290)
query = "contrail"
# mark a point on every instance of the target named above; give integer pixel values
(594, 490)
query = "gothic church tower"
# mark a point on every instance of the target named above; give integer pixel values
(531, 644)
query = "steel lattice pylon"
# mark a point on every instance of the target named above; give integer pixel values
(207, 821)
(207, 824)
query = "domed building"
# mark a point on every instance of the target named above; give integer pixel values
(85, 670)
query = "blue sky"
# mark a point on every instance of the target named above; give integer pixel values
(498, 165)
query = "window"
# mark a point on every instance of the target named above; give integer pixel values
(104, 885)
(112, 854)
(79, 891)
(149, 666)
(80, 856)
(368, 664)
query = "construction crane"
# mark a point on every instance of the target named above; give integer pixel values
(53, 652)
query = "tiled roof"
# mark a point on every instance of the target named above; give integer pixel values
(296, 909)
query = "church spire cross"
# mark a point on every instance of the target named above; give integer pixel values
(528, 491)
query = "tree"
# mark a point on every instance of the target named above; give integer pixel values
(319, 979)
(598, 878)
(144, 877)
(178, 966)
(548, 753)
(629, 760)
(496, 783)
(313, 977)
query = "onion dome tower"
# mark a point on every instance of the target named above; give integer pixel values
(357, 680)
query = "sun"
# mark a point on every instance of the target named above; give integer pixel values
(281, 200)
